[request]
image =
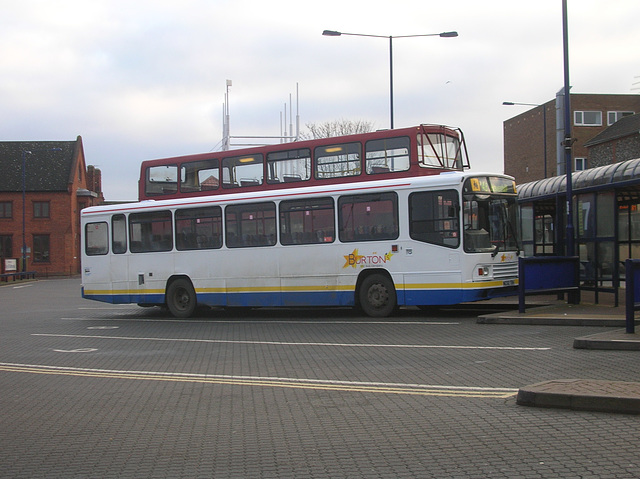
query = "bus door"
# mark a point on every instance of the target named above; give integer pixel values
(151, 261)
(118, 261)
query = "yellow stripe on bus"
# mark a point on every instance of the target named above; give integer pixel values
(282, 289)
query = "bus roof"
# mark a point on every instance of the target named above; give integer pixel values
(449, 178)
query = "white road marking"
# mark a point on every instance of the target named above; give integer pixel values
(260, 321)
(287, 343)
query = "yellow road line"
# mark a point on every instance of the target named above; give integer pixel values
(343, 386)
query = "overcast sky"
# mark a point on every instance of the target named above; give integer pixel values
(145, 79)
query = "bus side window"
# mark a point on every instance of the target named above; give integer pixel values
(199, 228)
(201, 175)
(434, 217)
(250, 225)
(150, 232)
(307, 221)
(161, 180)
(289, 166)
(119, 234)
(337, 161)
(96, 238)
(437, 150)
(247, 170)
(371, 217)
(387, 155)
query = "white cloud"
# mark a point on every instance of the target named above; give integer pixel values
(143, 79)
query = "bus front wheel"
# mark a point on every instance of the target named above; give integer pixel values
(377, 296)
(181, 298)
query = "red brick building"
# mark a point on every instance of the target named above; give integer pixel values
(527, 134)
(53, 182)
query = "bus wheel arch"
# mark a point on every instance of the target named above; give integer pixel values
(376, 293)
(180, 297)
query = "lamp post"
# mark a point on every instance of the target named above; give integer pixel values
(544, 126)
(333, 33)
(24, 190)
(24, 202)
(568, 141)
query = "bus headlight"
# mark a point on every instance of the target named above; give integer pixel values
(484, 271)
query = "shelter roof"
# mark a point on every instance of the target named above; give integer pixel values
(623, 175)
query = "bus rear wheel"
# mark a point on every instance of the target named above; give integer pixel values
(181, 298)
(377, 296)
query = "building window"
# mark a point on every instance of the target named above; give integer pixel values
(613, 116)
(6, 209)
(41, 209)
(587, 118)
(41, 248)
(6, 246)
(581, 164)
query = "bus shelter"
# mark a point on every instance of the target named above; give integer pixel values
(606, 204)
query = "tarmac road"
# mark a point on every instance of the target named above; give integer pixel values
(95, 390)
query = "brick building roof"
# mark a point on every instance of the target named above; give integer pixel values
(50, 165)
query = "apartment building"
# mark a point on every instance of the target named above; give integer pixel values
(533, 139)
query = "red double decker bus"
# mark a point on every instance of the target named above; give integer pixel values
(406, 152)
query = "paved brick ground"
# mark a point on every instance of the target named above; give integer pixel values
(210, 406)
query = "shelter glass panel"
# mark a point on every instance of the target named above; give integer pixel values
(606, 214)
(586, 216)
(606, 260)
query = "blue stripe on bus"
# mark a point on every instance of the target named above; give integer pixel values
(310, 298)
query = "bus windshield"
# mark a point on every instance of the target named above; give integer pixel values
(490, 224)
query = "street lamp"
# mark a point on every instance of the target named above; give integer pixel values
(24, 202)
(568, 141)
(544, 127)
(333, 33)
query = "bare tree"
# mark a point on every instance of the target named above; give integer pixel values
(330, 129)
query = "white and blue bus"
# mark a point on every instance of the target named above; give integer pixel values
(432, 240)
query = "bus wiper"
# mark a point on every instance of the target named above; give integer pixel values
(509, 226)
